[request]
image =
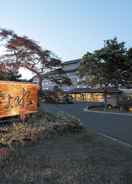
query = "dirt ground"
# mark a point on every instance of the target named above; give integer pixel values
(71, 158)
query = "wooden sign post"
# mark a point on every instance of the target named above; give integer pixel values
(18, 98)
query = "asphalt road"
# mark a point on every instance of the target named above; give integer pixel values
(116, 125)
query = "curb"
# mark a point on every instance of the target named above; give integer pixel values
(114, 113)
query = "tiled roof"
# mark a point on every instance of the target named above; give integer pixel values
(72, 62)
(92, 90)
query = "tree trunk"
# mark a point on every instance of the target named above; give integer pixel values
(117, 96)
(105, 98)
(40, 82)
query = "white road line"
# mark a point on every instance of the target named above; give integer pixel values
(115, 140)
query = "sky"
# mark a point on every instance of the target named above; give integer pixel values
(69, 28)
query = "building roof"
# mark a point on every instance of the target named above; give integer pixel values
(71, 71)
(92, 90)
(72, 62)
(71, 66)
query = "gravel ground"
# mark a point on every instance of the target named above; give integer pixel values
(71, 158)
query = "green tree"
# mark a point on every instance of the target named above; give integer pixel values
(89, 69)
(129, 74)
(113, 62)
(106, 66)
(10, 76)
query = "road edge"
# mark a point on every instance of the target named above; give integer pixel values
(115, 140)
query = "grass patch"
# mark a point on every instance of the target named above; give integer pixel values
(37, 126)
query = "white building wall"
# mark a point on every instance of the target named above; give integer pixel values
(68, 67)
(46, 84)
